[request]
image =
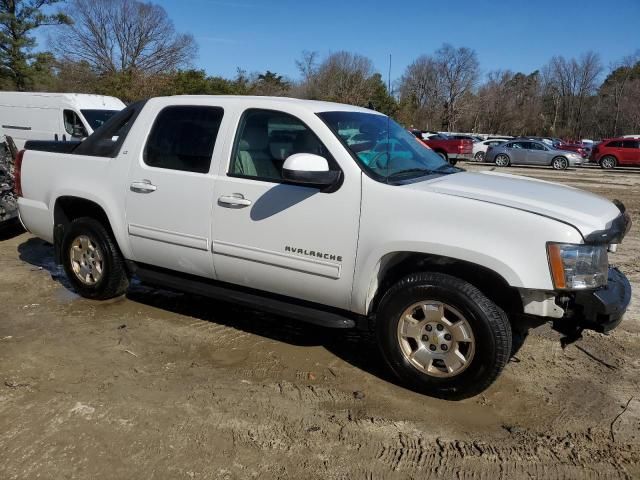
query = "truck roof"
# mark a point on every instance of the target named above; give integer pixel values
(270, 102)
(48, 99)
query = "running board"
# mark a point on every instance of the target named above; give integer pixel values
(265, 302)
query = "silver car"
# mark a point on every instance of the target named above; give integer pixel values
(529, 152)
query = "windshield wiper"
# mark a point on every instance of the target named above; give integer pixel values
(447, 166)
(402, 173)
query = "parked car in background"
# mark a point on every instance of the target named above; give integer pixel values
(527, 152)
(480, 148)
(53, 116)
(559, 144)
(616, 152)
(450, 149)
(460, 136)
(583, 150)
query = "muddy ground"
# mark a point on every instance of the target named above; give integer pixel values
(164, 385)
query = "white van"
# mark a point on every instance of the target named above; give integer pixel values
(53, 116)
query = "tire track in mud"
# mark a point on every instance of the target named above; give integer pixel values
(536, 455)
(375, 447)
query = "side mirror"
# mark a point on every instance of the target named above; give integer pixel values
(309, 170)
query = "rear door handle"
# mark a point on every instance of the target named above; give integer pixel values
(235, 200)
(144, 186)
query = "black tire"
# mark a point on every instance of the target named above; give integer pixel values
(444, 156)
(489, 324)
(114, 280)
(498, 162)
(479, 156)
(559, 163)
(608, 162)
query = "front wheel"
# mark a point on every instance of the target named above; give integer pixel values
(441, 336)
(479, 157)
(560, 163)
(92, 261)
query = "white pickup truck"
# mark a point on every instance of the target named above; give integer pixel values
(332, 214)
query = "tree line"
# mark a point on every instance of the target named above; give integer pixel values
(131, 49)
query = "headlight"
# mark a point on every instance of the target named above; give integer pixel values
(578, 267)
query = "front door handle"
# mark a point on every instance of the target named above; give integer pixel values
(235, 200)
(144, 186)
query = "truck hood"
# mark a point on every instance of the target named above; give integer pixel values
(584, 210)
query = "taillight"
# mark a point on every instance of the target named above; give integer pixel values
(17, 174)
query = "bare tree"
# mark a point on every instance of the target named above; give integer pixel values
(344, 77)
(124, 36)
(572, 82)
(616, 87)
(420, 93)
(439, 86)
(458, 69)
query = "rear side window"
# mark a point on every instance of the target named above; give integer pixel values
(183, 138)
(631, 144)
(614, 144)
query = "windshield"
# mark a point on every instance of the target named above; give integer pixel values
(383, 148)
(96, 118)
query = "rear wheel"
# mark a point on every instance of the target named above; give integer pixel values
(92, 261)
(560, 163)
(444, 156)
(502, 160)
(441, 336)
(479, 157)
(608, 162)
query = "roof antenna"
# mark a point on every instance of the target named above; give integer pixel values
(388, 120)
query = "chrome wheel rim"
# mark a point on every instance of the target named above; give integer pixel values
(87, 260)
(501, 161)
(436, 339)
(560, 163)
(607, 163)
(480, 156)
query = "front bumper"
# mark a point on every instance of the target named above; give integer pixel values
(602, 310)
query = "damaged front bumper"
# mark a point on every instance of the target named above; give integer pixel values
(602, 310)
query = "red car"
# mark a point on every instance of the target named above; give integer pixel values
(624, 152)
(573, 147)
(450, 149)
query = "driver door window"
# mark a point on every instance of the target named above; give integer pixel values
(73, 125)
(266, 138)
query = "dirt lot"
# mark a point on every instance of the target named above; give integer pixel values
(165, 385)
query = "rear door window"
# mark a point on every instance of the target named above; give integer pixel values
(631, 144)
(183, 138)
